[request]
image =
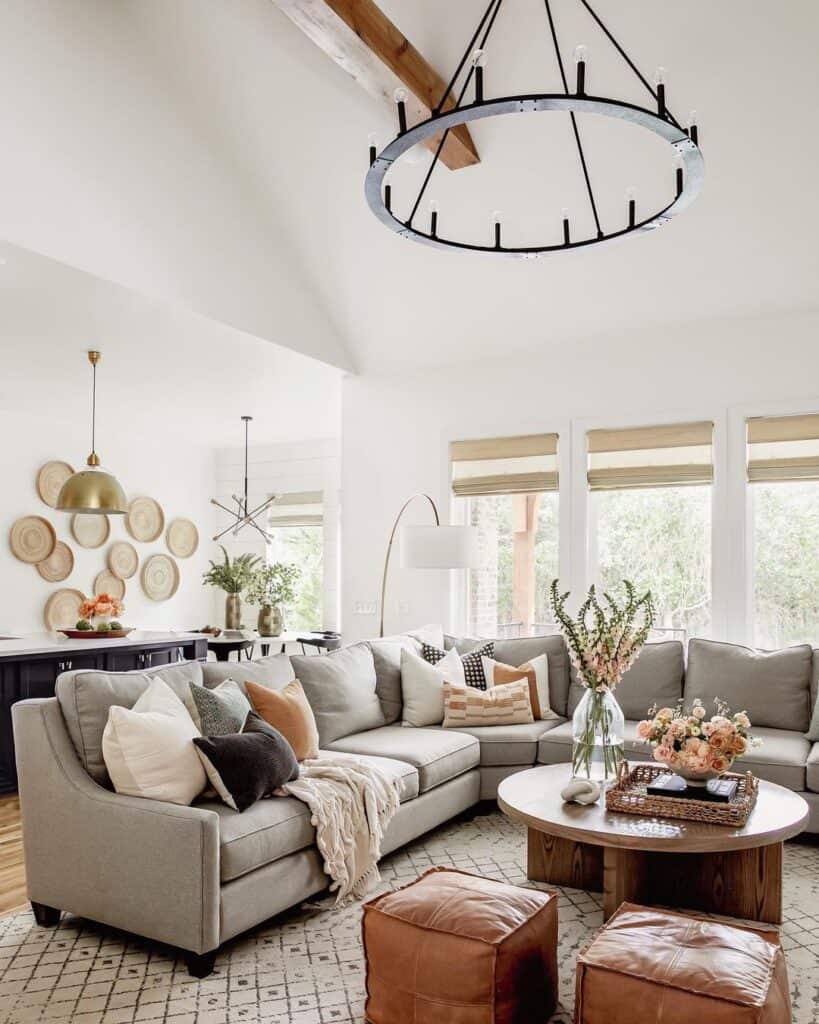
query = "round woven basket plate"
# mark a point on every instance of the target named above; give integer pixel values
(145, 519)
(90, 530)
(62, 609)
(106, 582)
(182, 538)
(123, 560)
(50, 480)
(160, 577)
(32, 539)
(58, 565)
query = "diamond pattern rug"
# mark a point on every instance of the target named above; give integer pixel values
(306, 967)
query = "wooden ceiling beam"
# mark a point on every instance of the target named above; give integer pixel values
(360, 38)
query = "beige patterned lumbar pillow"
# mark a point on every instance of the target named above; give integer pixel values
(503, 705)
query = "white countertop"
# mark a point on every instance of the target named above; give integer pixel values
(56, 643)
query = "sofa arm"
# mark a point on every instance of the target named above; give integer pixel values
(147, 867)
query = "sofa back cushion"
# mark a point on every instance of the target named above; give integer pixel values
(275, 672)
(340, 687)
(86, 697)
(387, 660)
(772, 686)
(527, 648)
(656, 677)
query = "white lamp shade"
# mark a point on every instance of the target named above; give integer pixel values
(439, 547)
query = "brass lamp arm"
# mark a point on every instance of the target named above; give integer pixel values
(404, 507)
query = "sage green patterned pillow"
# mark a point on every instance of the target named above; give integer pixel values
(223, 710)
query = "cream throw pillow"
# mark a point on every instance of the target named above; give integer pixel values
(422, 686)
(535, 671)
(502, 705)
(148, 750)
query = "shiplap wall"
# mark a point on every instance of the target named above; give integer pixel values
(272, 469)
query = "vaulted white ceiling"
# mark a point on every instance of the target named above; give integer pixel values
(210, 154)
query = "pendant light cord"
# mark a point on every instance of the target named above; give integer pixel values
(94, 409)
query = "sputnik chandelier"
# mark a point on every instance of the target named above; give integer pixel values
(470, 73)
(243, 515)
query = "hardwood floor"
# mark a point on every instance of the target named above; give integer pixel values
(12, 872)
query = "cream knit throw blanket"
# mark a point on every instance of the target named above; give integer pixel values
(351, 804)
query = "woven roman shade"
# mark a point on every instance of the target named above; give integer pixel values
(783, 448)
(299, 508)
(504, 465)
(671, 455)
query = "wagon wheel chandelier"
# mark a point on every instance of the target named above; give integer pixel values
(470, 72)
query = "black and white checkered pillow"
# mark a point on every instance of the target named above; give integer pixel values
(473, 666)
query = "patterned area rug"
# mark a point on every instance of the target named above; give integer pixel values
(306, 967)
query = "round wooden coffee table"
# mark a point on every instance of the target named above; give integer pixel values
(655, 861)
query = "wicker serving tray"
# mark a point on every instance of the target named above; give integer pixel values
(629, 795)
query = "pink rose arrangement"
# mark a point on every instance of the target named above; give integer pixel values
(695, 748)
(101, 606)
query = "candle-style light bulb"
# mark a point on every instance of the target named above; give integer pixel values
(631, 201)
(433, 217)
(679, 173)
(564, 216)
(478, 65)
(388, 192)
(659, 81)
(581, 52)
(496, 222)
(693, 130)
(372, 142)
(400, 97)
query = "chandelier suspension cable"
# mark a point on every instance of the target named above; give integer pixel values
(573, 120)
(94, 407)
(464, 87)
(469, 49)
(653, 92)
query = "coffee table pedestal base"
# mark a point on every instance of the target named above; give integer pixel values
(737, 883)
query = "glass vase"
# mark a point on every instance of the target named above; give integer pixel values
(597, 737)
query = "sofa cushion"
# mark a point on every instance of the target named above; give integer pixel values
(222, 710)
(289, 712)
(438, 754)
(772, 686)
(387, 661)
(782, 758)
(509, 704)
(523, 649)
(509, 744)
(86, 698)
(812, 774)
(274, 672)
(555, 746)
(340, 687)
(656, 677)
(280, 825)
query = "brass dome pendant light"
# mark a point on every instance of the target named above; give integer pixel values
(92, 490)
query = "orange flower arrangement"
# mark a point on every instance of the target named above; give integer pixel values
(102, 605)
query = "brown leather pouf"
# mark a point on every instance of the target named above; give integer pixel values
(452, 948)
(657, 967)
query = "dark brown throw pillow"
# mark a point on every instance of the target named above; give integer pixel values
(244, 767)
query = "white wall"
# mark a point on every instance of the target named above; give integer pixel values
(395, 432)
(309, 465)
(180, 478)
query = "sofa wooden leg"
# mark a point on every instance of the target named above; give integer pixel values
(46, 917)
(200, 965)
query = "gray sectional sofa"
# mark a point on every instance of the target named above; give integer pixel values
(194, 877)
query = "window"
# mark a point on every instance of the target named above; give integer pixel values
(509, 489)
(650, 519)
(296, 527)
(783, 471)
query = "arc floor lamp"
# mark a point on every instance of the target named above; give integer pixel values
(430, 547)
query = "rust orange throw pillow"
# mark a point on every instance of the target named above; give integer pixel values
(288, 711)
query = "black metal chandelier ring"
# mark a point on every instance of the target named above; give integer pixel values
(690, 173)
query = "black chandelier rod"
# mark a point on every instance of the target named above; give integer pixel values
(445, 136)
(653, 92)
(573, 119)
(470, 49)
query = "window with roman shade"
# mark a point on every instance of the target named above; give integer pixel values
(783, 448)
(298, 508)
(671, 455)
(504, 465)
